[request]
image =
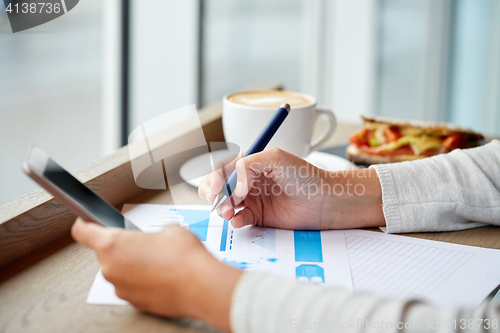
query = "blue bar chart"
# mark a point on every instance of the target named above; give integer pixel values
(303, 255)
(197, 221)
(310, 273)
(223, 238)
(307, 245)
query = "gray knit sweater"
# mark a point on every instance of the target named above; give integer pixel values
(456, 191)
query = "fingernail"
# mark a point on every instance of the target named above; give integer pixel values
(239, 186)
(208, 199)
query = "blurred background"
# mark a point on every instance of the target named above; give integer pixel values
(77, 85)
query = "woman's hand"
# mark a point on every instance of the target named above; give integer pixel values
(278, 189)
(169, 273)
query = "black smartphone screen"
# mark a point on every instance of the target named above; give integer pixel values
(85, 197)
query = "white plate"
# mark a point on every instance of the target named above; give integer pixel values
(319, 159)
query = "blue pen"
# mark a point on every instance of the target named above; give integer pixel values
(262, 140)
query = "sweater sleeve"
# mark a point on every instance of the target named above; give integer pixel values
(456, 191)
(265, 303)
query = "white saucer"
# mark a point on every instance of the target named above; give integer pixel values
(319, 159)
(329, 162)
(194, 165)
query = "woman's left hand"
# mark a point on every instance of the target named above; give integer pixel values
(168, 273)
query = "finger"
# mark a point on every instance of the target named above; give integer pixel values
(240, 205)
(244, 217)
(242, 185)
(204, 191)
(252, 167)
(249, 169)
(227, 166)
(222, 171)
(133, 295)
(209, 181)
(226, 211)
(91, 234)
(211, 185)
(216, 181)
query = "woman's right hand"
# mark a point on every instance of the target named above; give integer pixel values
(278, 189)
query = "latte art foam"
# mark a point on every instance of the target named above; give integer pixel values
(270, 99)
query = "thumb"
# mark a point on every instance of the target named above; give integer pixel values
(253, 166)
(91, 234)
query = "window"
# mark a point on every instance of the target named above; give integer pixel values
(50, 93)
(61, 82)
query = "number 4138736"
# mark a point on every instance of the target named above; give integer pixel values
(34, 8)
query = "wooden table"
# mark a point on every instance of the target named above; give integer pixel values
(46, 290)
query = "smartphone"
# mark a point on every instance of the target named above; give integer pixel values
(70, 192)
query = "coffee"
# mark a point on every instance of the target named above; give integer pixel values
(246, 113)
(270, 99)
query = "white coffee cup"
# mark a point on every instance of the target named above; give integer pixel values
(245, 114)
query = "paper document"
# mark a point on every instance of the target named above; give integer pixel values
(314, 256)
(103, 292)
(409, 267)
(384, 264)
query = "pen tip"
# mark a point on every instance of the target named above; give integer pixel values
(217, 201)
(285, 106)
